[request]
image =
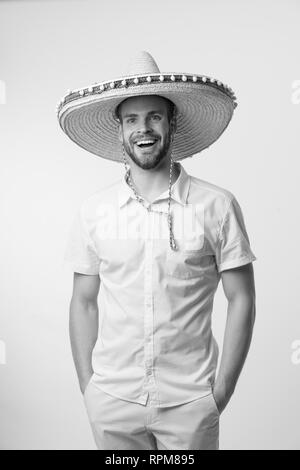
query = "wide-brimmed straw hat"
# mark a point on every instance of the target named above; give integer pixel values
(204, 108)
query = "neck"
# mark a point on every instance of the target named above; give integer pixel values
(151, 183)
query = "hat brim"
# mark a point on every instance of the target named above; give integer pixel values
(204, 112)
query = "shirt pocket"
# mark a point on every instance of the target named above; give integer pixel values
(188, 261)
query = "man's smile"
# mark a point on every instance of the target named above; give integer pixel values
(146, 145)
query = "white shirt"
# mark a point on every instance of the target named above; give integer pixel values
(155, 304)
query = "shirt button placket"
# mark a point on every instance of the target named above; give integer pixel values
(149, 385)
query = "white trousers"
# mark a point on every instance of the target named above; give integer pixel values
(122, 425)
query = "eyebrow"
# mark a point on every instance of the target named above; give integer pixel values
(159, 111)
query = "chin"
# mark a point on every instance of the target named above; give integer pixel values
(147, 166)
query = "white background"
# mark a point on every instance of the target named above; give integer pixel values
(47, 47)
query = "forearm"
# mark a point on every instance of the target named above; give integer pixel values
(83, 328)
(237, 340)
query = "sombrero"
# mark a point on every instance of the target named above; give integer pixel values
(204, 108)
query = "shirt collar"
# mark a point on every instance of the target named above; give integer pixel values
(179, 193)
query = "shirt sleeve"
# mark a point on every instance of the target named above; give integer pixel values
(233, 247)
(80, 251)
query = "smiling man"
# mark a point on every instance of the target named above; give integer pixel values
(157, 242)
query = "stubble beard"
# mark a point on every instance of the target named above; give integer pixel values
(148, 162)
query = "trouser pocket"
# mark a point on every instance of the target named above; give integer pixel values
(214, 403)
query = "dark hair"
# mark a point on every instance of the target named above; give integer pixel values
(170, 107)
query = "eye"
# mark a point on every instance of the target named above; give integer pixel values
(131, 120)
(156, 117)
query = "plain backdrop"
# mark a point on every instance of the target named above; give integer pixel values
(47, 47)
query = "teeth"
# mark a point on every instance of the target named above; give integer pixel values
(145, 142)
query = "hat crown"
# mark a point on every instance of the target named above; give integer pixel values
(141, 64)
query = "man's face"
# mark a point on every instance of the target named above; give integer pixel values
(145, 130)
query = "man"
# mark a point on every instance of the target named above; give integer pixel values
(157, 243)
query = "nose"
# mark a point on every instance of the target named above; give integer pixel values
(144, 126)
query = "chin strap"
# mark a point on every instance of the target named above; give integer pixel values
(128, 178)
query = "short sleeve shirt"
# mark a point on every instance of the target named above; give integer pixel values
(155, 304)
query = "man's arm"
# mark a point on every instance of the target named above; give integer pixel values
(239, 288)
(84, 324)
